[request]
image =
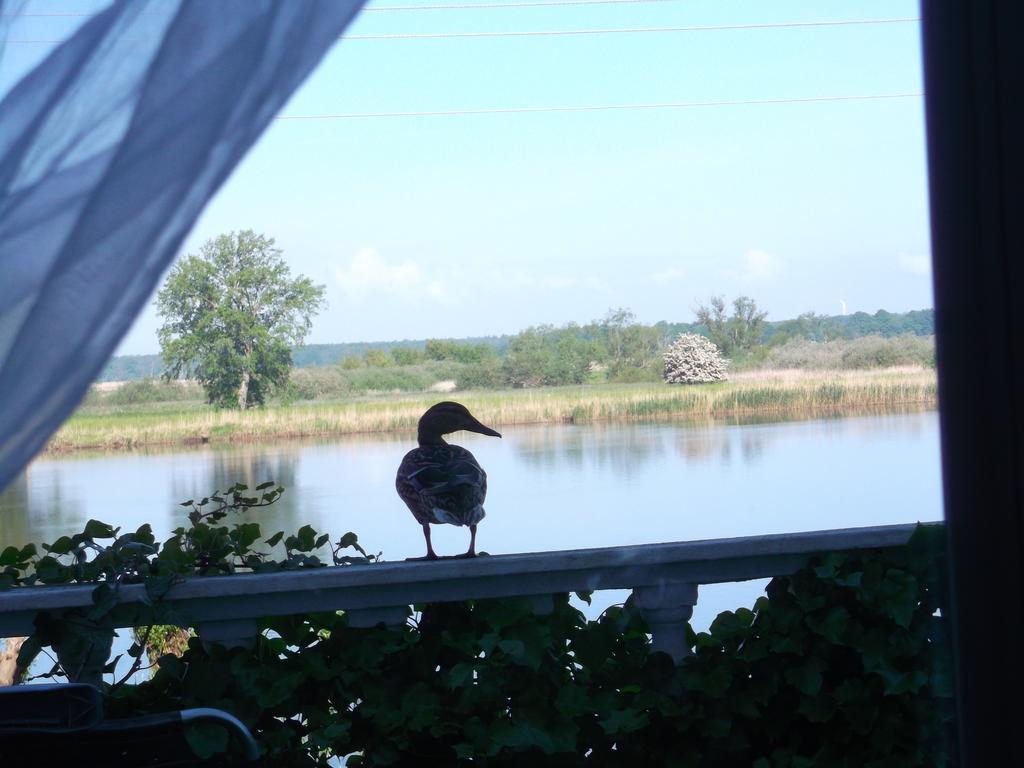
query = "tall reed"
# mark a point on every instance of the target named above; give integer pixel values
(787, 393)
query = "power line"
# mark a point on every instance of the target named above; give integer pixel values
(630, 30)
(392, 8)
(620, 31)
(477, 6)
(603, 107)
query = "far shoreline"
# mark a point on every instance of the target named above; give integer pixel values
(786, 394)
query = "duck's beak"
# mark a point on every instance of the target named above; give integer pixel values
(476, 426)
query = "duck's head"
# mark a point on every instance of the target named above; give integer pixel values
(447, 417)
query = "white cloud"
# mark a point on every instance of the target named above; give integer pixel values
(368, 274)
(560, 281)
(520, 281)
(916, 263)
(758, 266)
(670, 275)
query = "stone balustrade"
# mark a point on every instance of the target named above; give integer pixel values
(664, 579)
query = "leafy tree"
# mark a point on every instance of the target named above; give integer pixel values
(230, 315)
(629, 344)
(546, 356)
(406, 355)
(736, 333)
(436, 349)
(378, 358)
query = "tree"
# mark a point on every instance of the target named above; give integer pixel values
(629, 344)
(439, 349)
(230, 315)
(546, 356)
(693, 359)
(378, 358)
(406, 355)
(733, 334)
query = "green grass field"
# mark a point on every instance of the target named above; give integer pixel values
(766, 394)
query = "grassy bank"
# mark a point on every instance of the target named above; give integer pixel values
(763, 393)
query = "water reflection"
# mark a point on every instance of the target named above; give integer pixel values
(39, 506)
(249, 464)
(551, 487)
(582, 448)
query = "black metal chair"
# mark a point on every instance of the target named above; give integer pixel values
(64, 724)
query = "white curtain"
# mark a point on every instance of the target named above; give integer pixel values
(109, 149)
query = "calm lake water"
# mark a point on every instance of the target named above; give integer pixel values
(550, 487)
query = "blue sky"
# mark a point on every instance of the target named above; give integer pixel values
(481, 224)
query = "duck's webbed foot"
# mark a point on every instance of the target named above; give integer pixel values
(471, 552)
(431, 554)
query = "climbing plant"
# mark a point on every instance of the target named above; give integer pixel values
(845, 663)
(102, 555)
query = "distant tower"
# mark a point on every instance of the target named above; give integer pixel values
(843, 305)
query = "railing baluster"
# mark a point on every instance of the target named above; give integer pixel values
(666, 608)
(542, 605)
(225, 609)
(232, 633)
(389, 616)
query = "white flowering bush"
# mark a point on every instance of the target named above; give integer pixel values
(693, 359)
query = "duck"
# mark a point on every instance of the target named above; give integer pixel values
(443, 483)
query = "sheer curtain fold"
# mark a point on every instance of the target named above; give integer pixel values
(109, 149)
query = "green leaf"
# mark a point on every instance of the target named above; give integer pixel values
(94, 529)
(273, 540)
(9, 556)
(807, 677)
(29, 650)
(280, 689)
(265, 485)
(716, 681)
(206, 739)
(523, 736)
(851, 580)
(338, 730)
(27, 552)
(899, 596)
(50, 571)
(103, 599)
(624, 721)
(572, 700)
(817, 709)
(514, 648)
(832, 625)
(245, 534)
(461, 674)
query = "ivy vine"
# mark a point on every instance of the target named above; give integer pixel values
(845, 663)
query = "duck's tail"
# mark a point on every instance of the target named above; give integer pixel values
(471, 517)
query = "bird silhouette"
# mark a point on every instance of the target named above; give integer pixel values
(442, 483)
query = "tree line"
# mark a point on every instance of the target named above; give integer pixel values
(234, 319)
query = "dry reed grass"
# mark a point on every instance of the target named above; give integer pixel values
(785, 393)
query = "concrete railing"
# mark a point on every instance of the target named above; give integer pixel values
(664, 579)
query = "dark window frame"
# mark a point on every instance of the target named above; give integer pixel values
(974, 78)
